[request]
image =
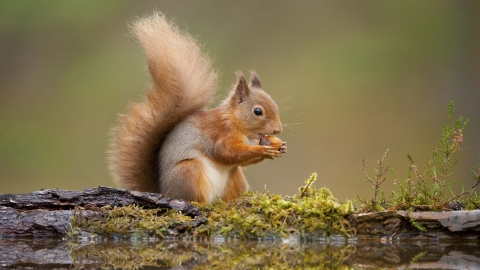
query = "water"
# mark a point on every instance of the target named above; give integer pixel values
(44, 253)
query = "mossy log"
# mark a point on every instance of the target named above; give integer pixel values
(49, 212)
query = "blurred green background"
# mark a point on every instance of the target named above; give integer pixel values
(353, 78)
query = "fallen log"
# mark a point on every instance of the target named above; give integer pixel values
(49, 212)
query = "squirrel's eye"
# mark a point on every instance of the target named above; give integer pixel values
(257, 111)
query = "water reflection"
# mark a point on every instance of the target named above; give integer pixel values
(234, 254)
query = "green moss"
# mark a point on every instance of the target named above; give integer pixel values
(313, 213)
(472, 202)
(131, 222)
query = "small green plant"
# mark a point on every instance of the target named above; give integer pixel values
(426, 190)
(417, 225)
(308, 189)
(380, 171)
(418, 256)
(473, 200)
(72, 231)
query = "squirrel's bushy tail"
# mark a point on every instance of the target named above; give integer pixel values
(183, 81)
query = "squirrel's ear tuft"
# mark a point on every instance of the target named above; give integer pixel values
(241, 90)
(255, 80)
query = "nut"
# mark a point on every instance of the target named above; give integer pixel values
(271, 141)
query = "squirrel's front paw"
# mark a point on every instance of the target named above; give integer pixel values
(270, 152)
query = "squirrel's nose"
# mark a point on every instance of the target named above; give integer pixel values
(277, 131)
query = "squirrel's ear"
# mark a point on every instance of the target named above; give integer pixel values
(241, 90)
(255, 80)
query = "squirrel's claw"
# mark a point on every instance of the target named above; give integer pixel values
(283, 148)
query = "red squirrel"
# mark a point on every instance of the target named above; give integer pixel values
(171, 143)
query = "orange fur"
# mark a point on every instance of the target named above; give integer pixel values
(192, 177)
(183, 82)
(169, 143)
(236, 185)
